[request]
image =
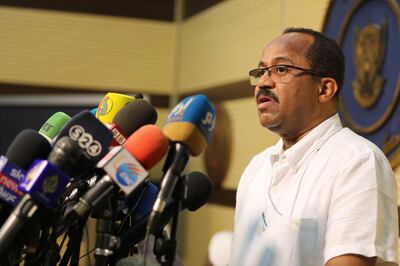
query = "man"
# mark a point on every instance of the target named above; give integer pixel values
(322, 195)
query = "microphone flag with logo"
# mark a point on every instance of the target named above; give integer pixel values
(191, 123)
(189, 127)
(53, 125)
(110, 105)
(91, 136)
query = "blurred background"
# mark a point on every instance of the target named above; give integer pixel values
(66, 55)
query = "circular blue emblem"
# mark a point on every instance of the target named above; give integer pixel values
(369, 34)
(126, 175)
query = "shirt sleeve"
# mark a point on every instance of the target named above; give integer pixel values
(362, 217)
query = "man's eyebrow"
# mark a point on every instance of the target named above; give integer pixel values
(276, 61)
(261, 64)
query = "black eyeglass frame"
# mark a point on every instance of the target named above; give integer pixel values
(305, 70)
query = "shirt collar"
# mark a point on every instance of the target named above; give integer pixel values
(297, 154)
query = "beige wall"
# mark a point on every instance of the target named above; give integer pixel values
(40, 47)
(220, 45)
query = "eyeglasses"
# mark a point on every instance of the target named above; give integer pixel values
(279, 73)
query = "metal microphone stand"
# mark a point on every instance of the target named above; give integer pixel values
(75, 233)
(106, 241)
(164, 247)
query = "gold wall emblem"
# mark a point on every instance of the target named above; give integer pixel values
(368, 34)
(369, 49)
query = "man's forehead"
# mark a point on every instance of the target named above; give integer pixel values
(286, 48)
(292, 40)
(276, 60)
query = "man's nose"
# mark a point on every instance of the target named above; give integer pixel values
(265, 80)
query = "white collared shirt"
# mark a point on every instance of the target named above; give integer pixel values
(331, 176)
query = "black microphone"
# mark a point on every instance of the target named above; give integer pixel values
(27, 146)
(92, 137)
(44, 183)
(130, 118)
(193, 191)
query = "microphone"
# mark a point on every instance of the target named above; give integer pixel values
(44, 183)
(110, 105)
(191, 123)
(189, 127)
(130, 118)
(27, 146)
(125, 166)
(53, 125)
(138, 205)
(193, 191)
(92, 137)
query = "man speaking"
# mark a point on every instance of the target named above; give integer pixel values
(322, 195)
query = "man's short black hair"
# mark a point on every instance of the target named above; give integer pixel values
(324, 55)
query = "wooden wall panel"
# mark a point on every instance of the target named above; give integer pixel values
(72, 50)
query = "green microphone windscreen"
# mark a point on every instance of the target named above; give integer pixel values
(54, 124)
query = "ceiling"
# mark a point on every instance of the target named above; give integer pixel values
(146, 9)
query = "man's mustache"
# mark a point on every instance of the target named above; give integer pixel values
(267, 92)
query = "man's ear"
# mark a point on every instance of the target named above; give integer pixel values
(327, 90)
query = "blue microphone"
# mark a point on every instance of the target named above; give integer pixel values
(189, 127)
(191, 123)
(138, 206)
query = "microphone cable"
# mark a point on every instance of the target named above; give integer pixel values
(75, 233)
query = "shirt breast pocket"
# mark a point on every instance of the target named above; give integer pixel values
(308, 241)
